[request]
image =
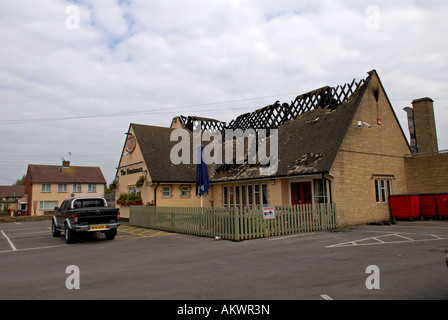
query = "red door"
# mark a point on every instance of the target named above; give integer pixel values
(301, 193)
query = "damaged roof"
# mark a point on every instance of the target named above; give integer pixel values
(307, 144)
(310, 132)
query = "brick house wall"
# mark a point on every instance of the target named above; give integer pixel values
(427, 173)
(367, 154)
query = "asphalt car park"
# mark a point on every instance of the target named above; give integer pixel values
(402, 261)
(27, 236)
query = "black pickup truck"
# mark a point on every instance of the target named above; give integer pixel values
(85, 215)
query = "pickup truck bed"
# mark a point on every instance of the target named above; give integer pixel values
(85, 215)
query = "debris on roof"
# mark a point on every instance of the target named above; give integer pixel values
(273, 116)
(308, 163)
(310, 132)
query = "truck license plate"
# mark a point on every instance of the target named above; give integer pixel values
(97, 227)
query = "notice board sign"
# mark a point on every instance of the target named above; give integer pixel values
(268, 213)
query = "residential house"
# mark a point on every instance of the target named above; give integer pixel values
(12, 198)
(48, 185)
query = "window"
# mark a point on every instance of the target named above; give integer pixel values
(231, 196)
(257, 194)
(237, 195)
(250, 195)
(47, 205)
(76, 187)
(91, 187)
(383, 189)
(62, 187)
(389, 186)
(185, 192)
(225, 197)
(320, 194)
(87, 203)
(264, 194)
(65, 204)
(46, 187)
(243, 195)
(166, 192)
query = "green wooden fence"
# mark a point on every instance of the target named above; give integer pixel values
(235, 224)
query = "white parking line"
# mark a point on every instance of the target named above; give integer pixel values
(35, 248)
(401, 236)
(13, 247)
(326, 297)
(28, 235)
(390, 238)
(19, 229)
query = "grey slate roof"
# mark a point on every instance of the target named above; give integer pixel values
(156, 146)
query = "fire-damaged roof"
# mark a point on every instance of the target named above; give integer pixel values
(310, 132)
(306, 144)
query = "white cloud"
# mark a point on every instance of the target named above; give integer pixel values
(131, 56)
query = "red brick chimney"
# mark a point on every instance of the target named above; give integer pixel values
(65, 164)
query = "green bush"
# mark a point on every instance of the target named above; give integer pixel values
(132, 199)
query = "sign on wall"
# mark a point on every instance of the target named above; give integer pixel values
(130, 144)
(130, 171)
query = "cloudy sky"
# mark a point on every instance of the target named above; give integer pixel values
(75, 74)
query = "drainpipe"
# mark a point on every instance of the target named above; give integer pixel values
(155, 194)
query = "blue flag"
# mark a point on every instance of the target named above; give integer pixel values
(202, 180)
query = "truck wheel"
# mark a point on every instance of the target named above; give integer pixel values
(69, 235)
(110, 234)
(54, 231)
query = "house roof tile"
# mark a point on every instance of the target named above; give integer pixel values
(58, 174)
(12, 191)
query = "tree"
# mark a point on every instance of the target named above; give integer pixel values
(21, 181)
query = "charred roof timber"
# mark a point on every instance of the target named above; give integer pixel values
(191, 123)
(273, 116)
